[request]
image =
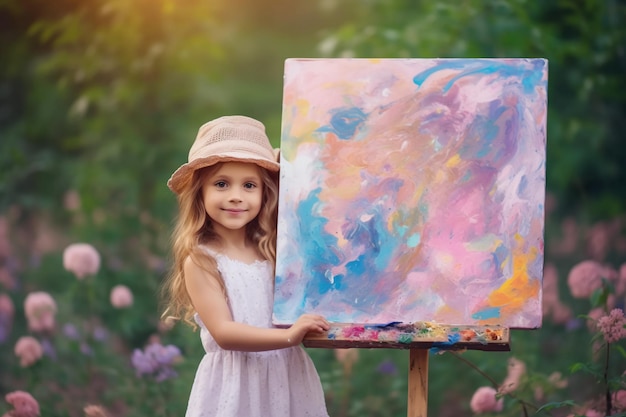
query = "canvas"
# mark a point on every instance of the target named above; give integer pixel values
(412, 190)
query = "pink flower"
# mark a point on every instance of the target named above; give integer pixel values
(121, 296)
(561, 313)
(29, 350)
(598, 241)
(40, 308)
(551, 202)
(7, 311)
(7, 279)
(6, 306)
(619, 400)
(612, 326)
(556, 379)
(484, 400)
(23, 403)
(550, 287)
(569, 240)
(552, 305)
(94, 411)
(71, 200)
(594, 315)
(620, 287)
(516, 370)
(82, 259)
(586, 277)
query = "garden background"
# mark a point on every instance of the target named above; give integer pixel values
(100, 101)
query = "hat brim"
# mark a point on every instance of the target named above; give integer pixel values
(183, 175)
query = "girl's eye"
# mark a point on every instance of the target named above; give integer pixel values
(249, 185)
(220, 184)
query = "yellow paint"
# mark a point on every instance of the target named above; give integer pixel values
(441, 177)
(485, 243)
(454, 161)
(299, 130)
(393, 218)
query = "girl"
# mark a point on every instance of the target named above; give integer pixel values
(224, 248)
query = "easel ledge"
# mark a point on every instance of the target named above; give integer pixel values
(416, 335)
(419, 337)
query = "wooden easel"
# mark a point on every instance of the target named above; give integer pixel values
(417, 398)
(419, 338)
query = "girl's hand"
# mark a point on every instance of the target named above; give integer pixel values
(307, 323)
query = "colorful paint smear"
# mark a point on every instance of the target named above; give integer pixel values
(412, 190)
(412, 335)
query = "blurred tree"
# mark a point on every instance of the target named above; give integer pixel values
(105, 97)
(584, 43)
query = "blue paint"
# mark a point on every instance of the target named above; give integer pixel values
(387, 246)
(414, 240)
(356, 267)
(345, 122)
(401, 230)
(453, 339)
(314, 241)
(529, 78)
(521, 188)
(488, 313)
(420, 78)
(482, 132)
(500, 255)
(392, 324)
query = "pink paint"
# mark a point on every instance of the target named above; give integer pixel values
(403, 185)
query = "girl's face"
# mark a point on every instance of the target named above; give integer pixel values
(232, 196)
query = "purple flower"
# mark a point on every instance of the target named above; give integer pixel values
(100, 334)
(48, 349)
(7, 311)
(70, 331)
(85, 349)
(156, 361)
(5, 327)
(387, 367)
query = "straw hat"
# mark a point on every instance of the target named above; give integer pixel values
(228, 138)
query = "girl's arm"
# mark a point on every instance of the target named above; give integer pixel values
(210, 303)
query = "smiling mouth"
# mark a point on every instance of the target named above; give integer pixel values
(234, 210)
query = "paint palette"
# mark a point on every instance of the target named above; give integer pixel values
(412, 190)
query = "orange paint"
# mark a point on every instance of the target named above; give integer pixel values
(515, 291)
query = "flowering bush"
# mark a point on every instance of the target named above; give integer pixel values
(156, 361)
(29, 350)
(24, 405)
(121, 296)
(69, 338)
(82, 259)
(484, 400)
(40, 308)
(613, 326)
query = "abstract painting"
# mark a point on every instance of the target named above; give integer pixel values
(412, 190)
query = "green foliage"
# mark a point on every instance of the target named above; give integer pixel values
(556, 404)
(103, 98)
(583, 43)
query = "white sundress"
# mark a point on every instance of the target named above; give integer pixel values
(275, 383)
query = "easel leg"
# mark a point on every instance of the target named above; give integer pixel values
(418, 383)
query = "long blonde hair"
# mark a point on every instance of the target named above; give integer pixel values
(194, 228)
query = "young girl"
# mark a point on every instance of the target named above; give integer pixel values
(224, 248)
